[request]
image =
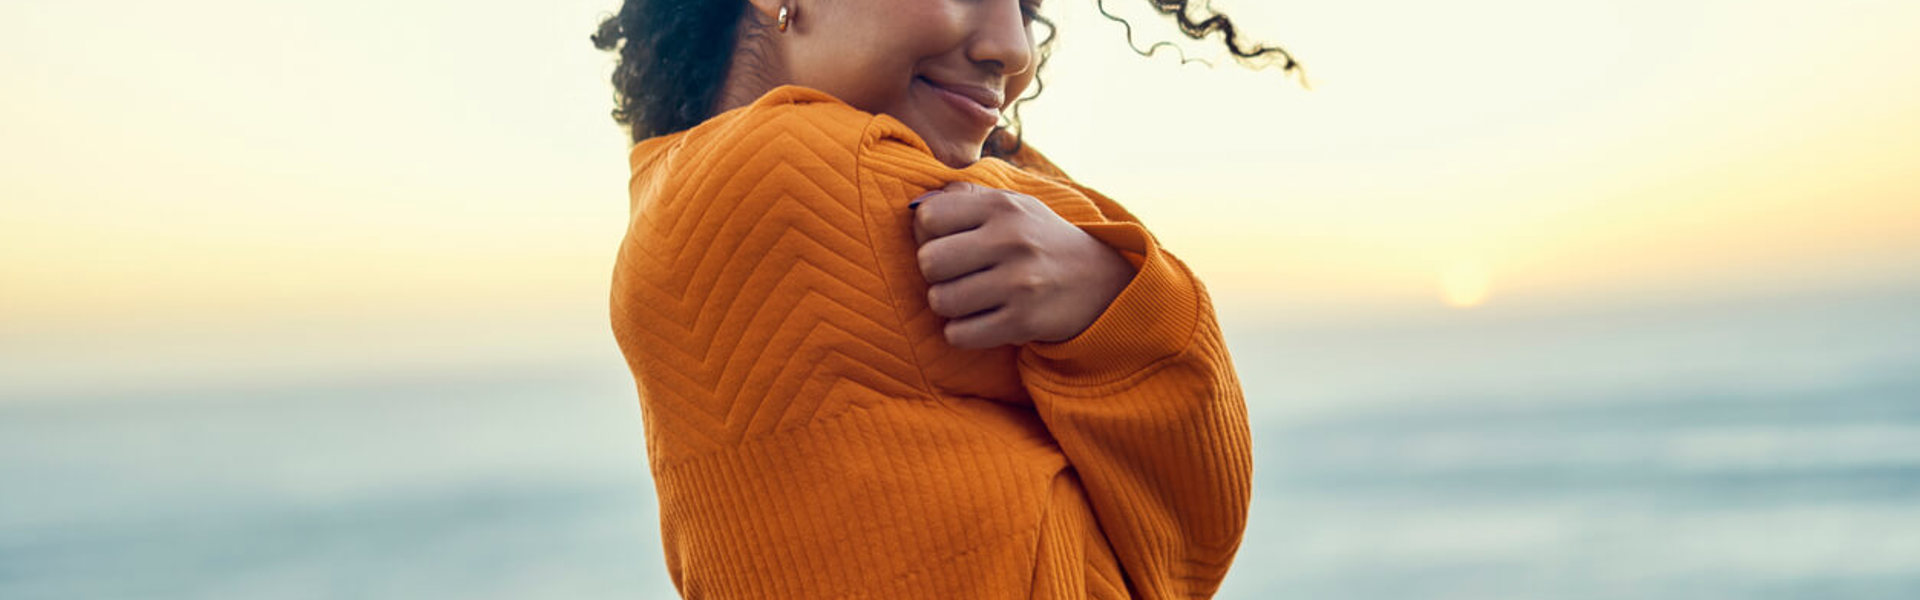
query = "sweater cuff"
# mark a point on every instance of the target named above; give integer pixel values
(1152, 319)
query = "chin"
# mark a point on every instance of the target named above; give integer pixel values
(958, 156)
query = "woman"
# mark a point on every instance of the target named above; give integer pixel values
(873, 363)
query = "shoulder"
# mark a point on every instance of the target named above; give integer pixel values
(787, 131)
(787, 123)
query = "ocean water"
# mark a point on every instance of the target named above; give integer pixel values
(1760, 450)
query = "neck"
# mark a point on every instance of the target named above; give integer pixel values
(756, 67)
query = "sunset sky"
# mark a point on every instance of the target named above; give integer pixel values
(244, 175)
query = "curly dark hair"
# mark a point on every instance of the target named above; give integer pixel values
(674, 55)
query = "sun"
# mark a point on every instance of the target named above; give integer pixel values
(1464, 284)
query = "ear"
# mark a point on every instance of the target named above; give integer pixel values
(770, 9)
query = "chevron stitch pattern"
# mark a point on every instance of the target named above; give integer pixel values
(811, 434)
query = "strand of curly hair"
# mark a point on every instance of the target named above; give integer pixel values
(673, 56)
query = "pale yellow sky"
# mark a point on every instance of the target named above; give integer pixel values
(206, 161)
(1570, 149)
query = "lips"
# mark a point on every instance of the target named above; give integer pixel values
(985, 96)
(978, 107)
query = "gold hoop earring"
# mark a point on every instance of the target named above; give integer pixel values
(786, 16)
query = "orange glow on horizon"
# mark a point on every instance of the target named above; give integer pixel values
(367, 164)
(1464, 284)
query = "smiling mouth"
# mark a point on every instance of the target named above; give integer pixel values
(978, 105)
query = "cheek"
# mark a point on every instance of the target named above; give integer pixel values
(865, 52)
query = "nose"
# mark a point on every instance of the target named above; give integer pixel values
(1001, 40)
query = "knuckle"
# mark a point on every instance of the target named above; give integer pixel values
(956, 335)
(926, 260)
(1012, 242)
(1031, 283)
(923, 216)
(1026, 244)
(1007, 245)
(938, 299)
(1005, 203)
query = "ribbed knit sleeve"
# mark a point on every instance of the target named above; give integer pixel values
(812, 435)
(1147, 407)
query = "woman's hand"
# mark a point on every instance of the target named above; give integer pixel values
(1005, 269)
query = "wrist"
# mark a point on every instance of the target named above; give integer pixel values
(1118, 273)
(1152, 318)
(1107, 273)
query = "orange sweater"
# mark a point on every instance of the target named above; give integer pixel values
(811, 433)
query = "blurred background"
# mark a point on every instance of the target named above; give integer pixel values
(1607, 299)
